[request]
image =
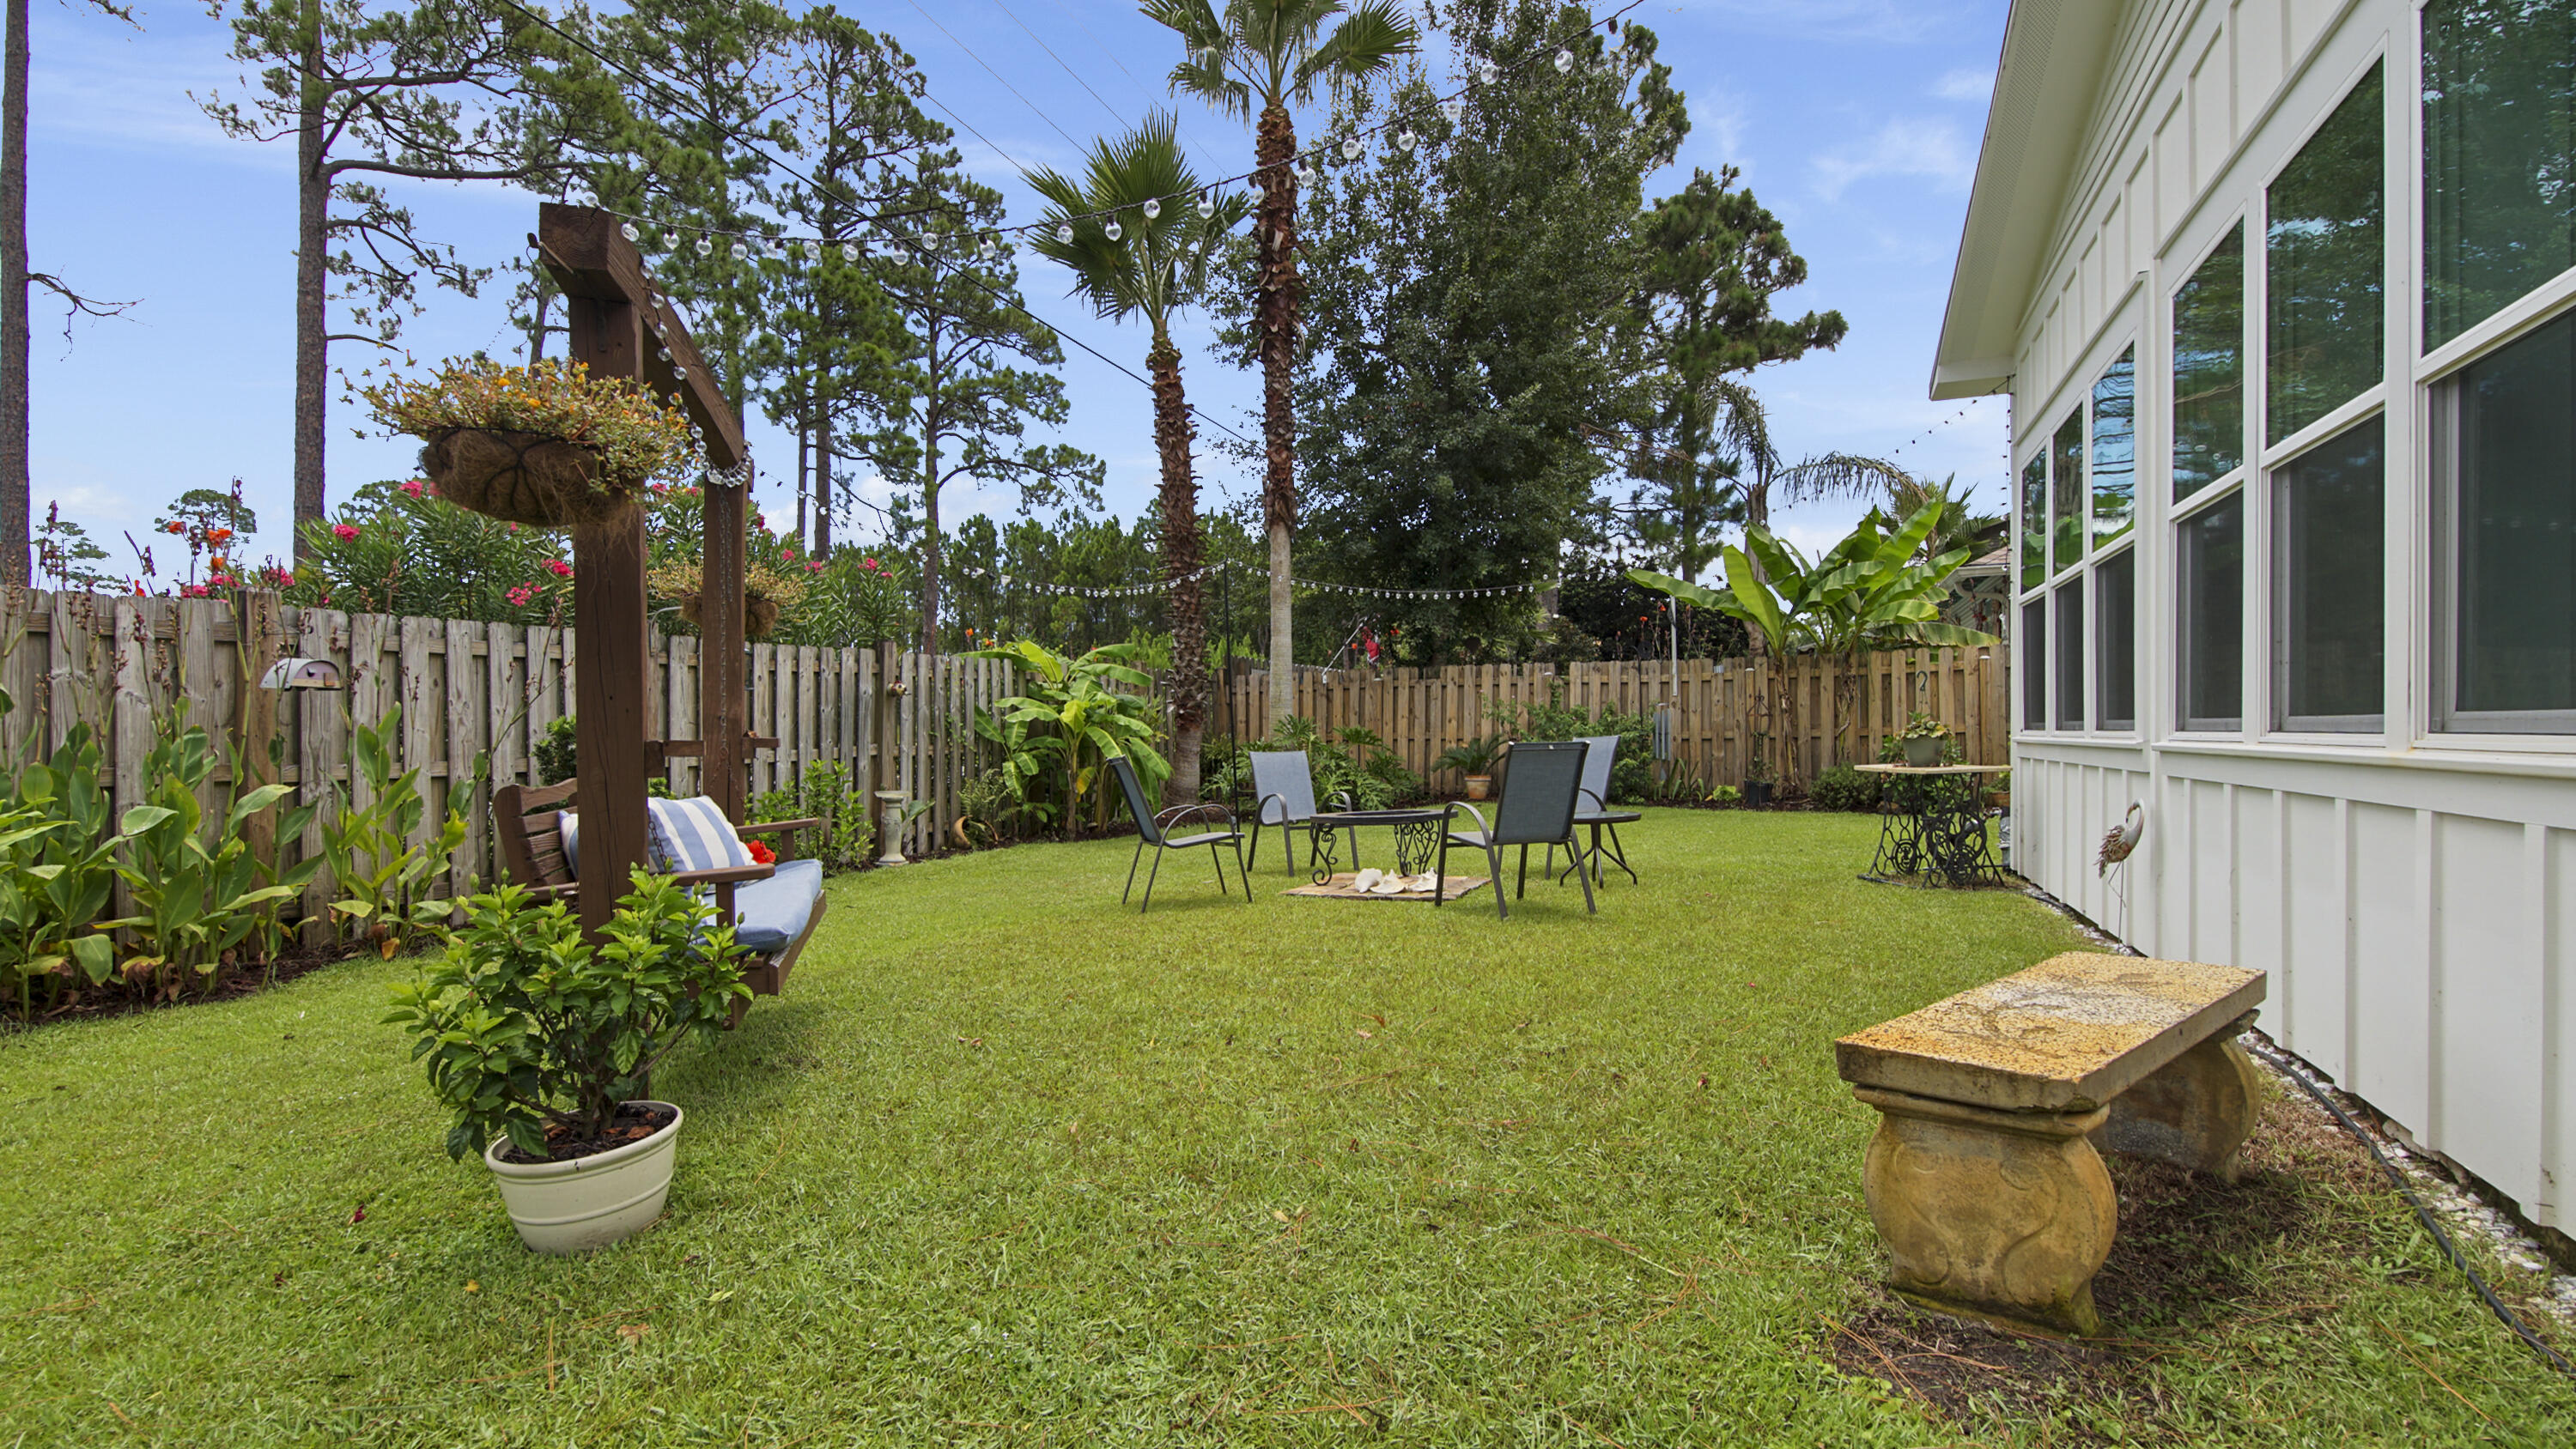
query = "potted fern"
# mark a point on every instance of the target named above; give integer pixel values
(546, 445)
(542, 1047)
(1475, 760)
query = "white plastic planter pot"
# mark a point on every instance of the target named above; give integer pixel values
(588, 1202)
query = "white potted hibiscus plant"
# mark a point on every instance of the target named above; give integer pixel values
(543, 1046)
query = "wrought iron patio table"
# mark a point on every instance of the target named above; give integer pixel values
(1936, 832)
(1417, 838)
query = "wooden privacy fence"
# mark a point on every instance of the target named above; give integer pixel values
(126, 665)
(1422, 712)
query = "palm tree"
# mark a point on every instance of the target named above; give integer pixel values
(1153, 265)
(1253, 62)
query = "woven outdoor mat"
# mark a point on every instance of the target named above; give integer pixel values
(1340, 889)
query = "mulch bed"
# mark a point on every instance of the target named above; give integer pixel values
(634, 1122)
(90, 1003)
(2177, 1279)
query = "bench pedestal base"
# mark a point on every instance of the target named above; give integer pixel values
(2000, 1215)
(2006, 1216)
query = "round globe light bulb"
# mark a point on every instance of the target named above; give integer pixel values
(1153, 207)
(1404, 140)
(849, 252)
(1064, 234)
(1564, 61)
(629, 232)
(1488, 72)
(1456, 111)
(1350, 148)
(1113, 230)
(740, 251)
(706, 247)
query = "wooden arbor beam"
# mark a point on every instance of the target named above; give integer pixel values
(622, 326)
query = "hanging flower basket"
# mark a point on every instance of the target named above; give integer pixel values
(765, 593)
(759, 615)
(528, 478)
(545, 446)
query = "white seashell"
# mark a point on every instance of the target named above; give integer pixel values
(1428, 880)
(1391, 886)
(1367, 878)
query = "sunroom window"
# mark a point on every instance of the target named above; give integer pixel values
(2034, 522)
(2032, 647)
(2070, 655)
(2499, 155)
(2329, 639)
(2209, 368)
(2504, 462)
(2115, 628)
(2066, 489)
(2212, 594)
(2115, 448)
(2323, 267)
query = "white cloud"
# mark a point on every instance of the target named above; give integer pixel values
(1928, 149)
(1969, 84)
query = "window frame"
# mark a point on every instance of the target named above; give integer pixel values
(2080, 574)
(2280, 724)
(2248, 703)
(2241, 224)
(2123, 552)
(2438, 660)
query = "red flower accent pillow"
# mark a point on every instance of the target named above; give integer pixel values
(761, 854)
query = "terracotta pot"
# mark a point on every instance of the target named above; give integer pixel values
(759, 615)
(587, 1202)
(525, 478)
(1479, 786)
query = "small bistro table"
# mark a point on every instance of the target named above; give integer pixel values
(1936, 828)
(1417, 838)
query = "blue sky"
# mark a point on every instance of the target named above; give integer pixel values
(1856, 120)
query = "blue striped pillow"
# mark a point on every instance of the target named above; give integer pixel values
(570, 823)
(693, 834)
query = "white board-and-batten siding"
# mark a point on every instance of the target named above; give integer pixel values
(2413, 895)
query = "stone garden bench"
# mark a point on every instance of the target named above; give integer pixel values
(1984, 1179)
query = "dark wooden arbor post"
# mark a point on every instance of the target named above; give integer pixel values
(623, 327)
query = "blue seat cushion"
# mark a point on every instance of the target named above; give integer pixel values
(770, 913)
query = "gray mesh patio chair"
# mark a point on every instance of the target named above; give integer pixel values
(1592, 810)
(1154, 830)
(1536, 808)
(1285, 784)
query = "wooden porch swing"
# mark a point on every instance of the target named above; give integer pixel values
(621, 326)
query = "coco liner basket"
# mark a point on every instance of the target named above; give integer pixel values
(759, 615)
(534, 479)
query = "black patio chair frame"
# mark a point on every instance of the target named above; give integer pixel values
(1592, 810)
(1547, 774)
(1289, 821)
(1151, 829)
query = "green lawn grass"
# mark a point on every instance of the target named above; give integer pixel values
(1010, 1165)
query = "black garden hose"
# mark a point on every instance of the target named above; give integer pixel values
(2397, 1179)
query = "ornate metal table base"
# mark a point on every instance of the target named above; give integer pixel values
(1936, 835)
(1417, 839)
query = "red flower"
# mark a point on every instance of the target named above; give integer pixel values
(415, 488)
(871, 565)
(559, 568)
(344, 531)
(815, 567)
(519, 596)
(761, 854)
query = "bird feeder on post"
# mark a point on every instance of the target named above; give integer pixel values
(621, 326)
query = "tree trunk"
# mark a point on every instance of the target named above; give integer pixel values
(312, 322)
(1276, 295)
(822, 482)
(804, 462)
(1182, 552)
(16, 489)
(930, 544)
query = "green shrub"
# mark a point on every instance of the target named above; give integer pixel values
(822, 792)
(1843, 787)
(1726, 795)
(387, 873)
(526, 1026)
